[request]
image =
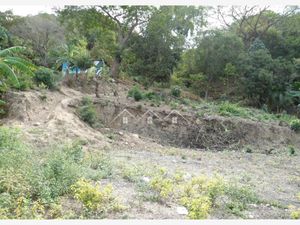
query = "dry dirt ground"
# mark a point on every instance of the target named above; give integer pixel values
(274, 177)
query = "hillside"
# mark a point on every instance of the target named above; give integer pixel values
(252, 156)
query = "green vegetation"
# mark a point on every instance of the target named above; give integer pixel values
(253, 59)
(32, 183)
(295, 212)
(87, 111)
(16, 72)
(136, 93)
(46, 77)
(175, 91)
(295, 125)
(201, 195)
(96, 199)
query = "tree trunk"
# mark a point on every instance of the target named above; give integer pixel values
(115, 68)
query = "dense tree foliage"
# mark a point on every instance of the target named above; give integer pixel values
(253, 58)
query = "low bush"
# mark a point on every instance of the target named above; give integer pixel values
(199, 195)
(87, 111)
(176, 91)
(96, 198)
(202, 194)
(295, 125)
(45, 76)
(99, 166)
(135, 93)
(162, 185)
(295, 212)
(30, 182)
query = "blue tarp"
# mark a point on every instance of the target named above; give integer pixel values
(76, 70)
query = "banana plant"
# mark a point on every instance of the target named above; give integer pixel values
(12, 66)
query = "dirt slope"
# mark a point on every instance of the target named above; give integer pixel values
(275, 177)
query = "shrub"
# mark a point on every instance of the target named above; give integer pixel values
(162, 185)
(239, 198)
(198, 207)
(45, 76)
(95, 198)
(136, 93)
(295, 214)
(60, 171)
(199, 194)
(230, 109)
(131, 173)
(295, 125)
(87, 111)
(292, 150)
(176, 91)
(100, 166)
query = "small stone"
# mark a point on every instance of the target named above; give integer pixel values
(135, 135)
(146, 179)
(251, 216)
(268, 205)
(174, 161)
(121, 133)
(181, 210)
(126, 143)
(37, 124)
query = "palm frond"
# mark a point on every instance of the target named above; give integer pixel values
(12, 50)
(7, 71)
(18, 64)
(21, 60)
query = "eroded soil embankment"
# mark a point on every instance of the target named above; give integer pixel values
(56, 118)
(186, 130)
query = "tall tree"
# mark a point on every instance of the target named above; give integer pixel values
(127, 19)
(41, 33)
(157, 50)
(250, 22)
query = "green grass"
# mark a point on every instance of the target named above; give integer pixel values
(228, 109)
(32, 182)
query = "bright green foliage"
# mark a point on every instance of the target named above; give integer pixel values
(230, 109)
(73, 52)
(199, 195)
(95, 198)
(295, 125)
(161, 184)
(295, 214)
(13, 67)
(87, 111)
(199, 207)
